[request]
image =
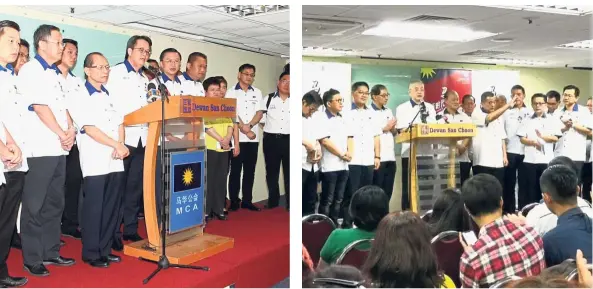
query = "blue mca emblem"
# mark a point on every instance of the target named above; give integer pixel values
(186, 106)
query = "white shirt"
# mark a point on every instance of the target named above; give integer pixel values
(277, 114)
(190, 86)
(40, 84)
(487, 144)
(98, 109)
(336, 127)
(73, 87)
(383, 116)
(573, 144)
(365, 127)
(513, 118)
(248, 104)
(175, 88)
(13, 109)
(312, 132)
(129, 89)
(543, 220)
(547, 126)
(404, 113)
(459, 117)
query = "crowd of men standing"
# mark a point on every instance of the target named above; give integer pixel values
(64, 133)
(348, 148)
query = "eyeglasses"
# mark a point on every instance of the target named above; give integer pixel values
(539, 103)
(102, 67)
(170, 61)
(23, 55)
(340, 100)
(142, 51)
(363, 92)
(59, 43)
(384, 95)
(247, 74)
(284, 81)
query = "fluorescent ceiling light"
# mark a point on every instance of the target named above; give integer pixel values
(320, 51)
(510, 61)
(585, 45)
(554, 9)
(424, 31)
(161, 30)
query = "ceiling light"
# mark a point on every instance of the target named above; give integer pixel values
(510, 61)
(502, 40)
(248, 10)
(423, 31)
(162, 30)
(320, 51)
(585, 45)
(554, 9)
(284, 56)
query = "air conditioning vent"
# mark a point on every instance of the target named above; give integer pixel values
(429, 18)
(485, 53)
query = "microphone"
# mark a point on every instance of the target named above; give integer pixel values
(152, 94)
(423, 112)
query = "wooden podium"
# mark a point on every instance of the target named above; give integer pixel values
(443, 135)
(185, 113)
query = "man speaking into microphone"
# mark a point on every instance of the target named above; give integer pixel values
(406, 114)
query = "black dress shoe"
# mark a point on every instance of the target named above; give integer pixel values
(8, 281)
(72, 234)
(271, 206)
(60, 261)
(221, 217)
(235, 206)
(225, 212)
(250, 206)
(99, 263)
(133, 238)
(62, 243)
(38, 270)
(113, 258)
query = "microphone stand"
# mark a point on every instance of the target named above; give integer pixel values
(163, 262)
(410, 155)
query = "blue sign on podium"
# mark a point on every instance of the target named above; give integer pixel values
(186, 200)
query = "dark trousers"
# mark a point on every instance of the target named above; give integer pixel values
(586, 175)
(579, 165)
(333, 187)
(43, 204)
(276, 151)
(216, 180)
(384, 177)
(10, 197)
(464, 169)
(73, 184)
(529, 189)
(309, 186)
(102, 196)
(511, 171)
(405, 184)
(245, 161)
(358, 177)
(129, 206)
(498, 173)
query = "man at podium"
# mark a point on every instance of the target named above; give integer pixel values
(411, 112)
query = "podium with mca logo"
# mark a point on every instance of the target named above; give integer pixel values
(438, 169)
(185, 185)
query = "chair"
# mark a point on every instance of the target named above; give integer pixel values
(574, 275)
(426, 216)
(528, 208)
(353, 256)
(502, 283)
(448, 249)
(316, 230)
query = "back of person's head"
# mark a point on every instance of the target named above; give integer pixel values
(562, 160)
(401, 255)
(539, 282)
(563, 270)
(368, 206)
(448, 213)
(339, 272)
(482, 195)
(560, 184)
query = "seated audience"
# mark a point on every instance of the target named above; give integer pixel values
(539, 282)
(402, 256)
(448, 213)
(341, 276)
(560, 188)
(367, 207)
(502, 248)
(541, 218)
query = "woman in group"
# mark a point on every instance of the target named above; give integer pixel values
(448, 213)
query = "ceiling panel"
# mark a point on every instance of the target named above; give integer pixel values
(203, 17)
(232, 25)
(163, 10)
(272, 18)
(65, 9)
(116, 16)
(259, 31)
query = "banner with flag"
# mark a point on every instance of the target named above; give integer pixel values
(186, 201)
(437, 81)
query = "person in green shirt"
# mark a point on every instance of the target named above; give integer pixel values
(368, 206)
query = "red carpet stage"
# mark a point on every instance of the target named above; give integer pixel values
(260, 258)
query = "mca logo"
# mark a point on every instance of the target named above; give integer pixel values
(424, 130)
(186, 107)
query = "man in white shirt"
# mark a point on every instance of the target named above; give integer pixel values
(51, 134)
(538, 133)
(576, 126)
(311, 151)
(249, 100)
(367, 147)
(276, 140)
(384, 177)
(337, 152)
(451, 114)
(415, 111)
(72, 87)
(489, 146)
(553, 100)
(14, 162)
(128, 84)
(102, 149)
(195, 72)
(587, 174)
(513, 118)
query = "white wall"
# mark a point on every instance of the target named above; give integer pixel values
(222, 60)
